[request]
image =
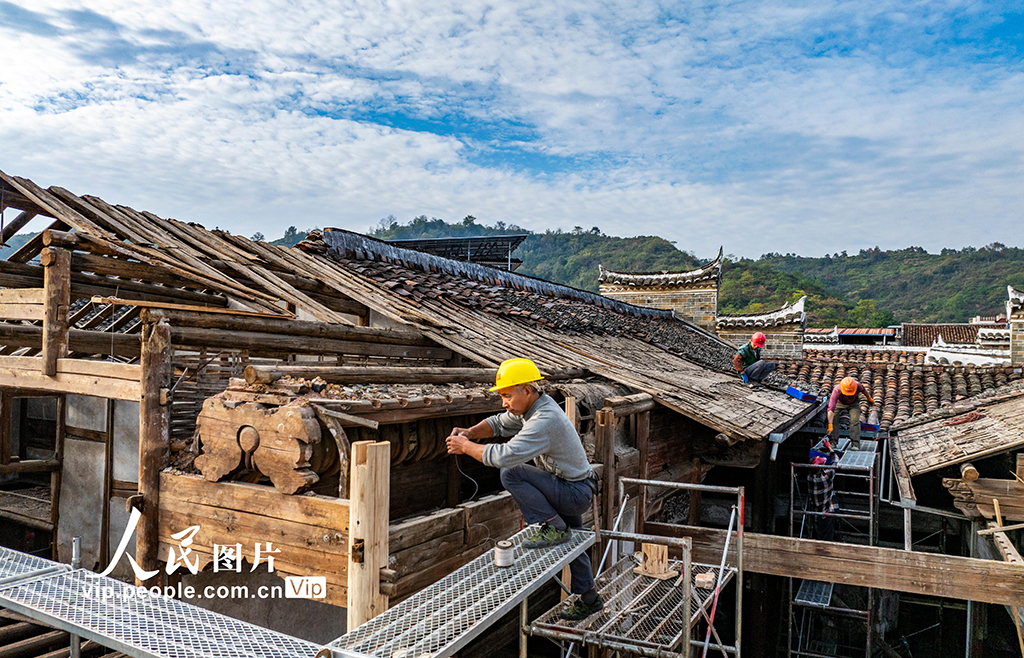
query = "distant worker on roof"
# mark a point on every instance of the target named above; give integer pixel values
(748, 362)
(846, 397)
(557, 490)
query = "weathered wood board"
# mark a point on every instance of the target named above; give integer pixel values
(311, 531)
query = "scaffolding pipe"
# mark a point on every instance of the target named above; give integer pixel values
(718, 585)
(607, 548)
(76, 563)
(600, 642)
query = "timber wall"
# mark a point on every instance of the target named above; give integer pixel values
(311, 531)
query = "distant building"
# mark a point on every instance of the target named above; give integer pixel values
(692, 294)
(1015, 316)
(853, 336)
(491, 250)
(784, 329)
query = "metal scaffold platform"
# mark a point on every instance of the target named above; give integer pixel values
(435, 623)
(115, 615)
(444, 617)
(640, 612)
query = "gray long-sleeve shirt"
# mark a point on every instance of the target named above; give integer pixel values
(544, 434)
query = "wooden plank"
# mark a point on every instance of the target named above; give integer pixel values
(324, 511)
(154, 439)
(89, 380)
(57, 286)
(23, 296)
(32, 312)
(902, 475)
(864, 566)
(421, 529)
(369, 506)
(303, 544)
(188, 307)
(54, 206)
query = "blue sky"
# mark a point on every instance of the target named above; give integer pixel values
(807, 127)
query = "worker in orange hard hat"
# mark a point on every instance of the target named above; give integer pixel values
(557, 488)
(748, 362)
(846, 397)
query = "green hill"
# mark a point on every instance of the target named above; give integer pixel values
(916, 286)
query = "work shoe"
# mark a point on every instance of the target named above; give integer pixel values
(547, 535)
(578, 610)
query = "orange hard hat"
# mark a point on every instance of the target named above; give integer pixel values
(757, 340)
(848, 386)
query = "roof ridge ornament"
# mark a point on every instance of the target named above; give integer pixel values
(708, 272)
(788, 314)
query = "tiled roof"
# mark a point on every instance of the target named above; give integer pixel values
(924, 335)
(993, 335)
(489, 315)
(788, 314)
(706, 274)
(900, 381)
(853, 331)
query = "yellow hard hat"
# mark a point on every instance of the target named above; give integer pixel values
(514, 372)
(848, 386)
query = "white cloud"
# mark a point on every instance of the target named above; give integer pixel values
(810, 128)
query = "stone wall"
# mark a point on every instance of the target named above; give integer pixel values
(1017, 340)
(783, 341)
(698, 306)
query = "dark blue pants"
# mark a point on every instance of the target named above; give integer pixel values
(759, 369)
(542, 496)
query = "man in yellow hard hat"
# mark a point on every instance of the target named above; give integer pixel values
(846, 397)
(558, 487)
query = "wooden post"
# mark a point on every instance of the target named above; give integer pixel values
(606, 442)
(1020, 466)
(643, 444)
(57, 473)
(369, 505)
(57, 284)
(154, 437)
(570, 411)
(655, 562)
(908, 544)
(6, 440)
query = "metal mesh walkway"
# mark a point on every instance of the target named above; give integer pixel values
(115, 615)
(15, 563)
(638, 610)
(444, 617)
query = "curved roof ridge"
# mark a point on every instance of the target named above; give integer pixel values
(788, 314)
(1015, 302)
(706, 272)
